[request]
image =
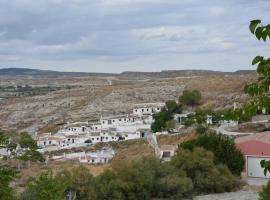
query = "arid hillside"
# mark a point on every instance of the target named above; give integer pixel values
(86, 98)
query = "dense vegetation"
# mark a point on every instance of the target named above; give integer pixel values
(190, 98)
(7, 174)
(189, 173)
(265, 193)
(164, 119)
(224, 150)
(26, 152)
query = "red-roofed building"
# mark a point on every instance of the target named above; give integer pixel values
(255, 148)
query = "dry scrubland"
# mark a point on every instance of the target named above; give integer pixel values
(91, 97)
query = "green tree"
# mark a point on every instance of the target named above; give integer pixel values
(31, 154)
(7, 174)
(259, 91)
(171, 106)
(45, 187)
(82, 181)
(224, 150)
(26, 141)
(190, 98)
(200, 167)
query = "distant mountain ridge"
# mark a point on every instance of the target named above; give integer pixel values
(161, 74)
(38, 72)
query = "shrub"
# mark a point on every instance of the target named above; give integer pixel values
(205, 175)
(265, 193)
(190, 98)
(223, 148)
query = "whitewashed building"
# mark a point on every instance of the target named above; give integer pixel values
(46, 139)
(99, 157)
(147, 108)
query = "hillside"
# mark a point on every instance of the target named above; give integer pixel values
(124, 75)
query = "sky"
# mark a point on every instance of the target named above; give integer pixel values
(130, 35)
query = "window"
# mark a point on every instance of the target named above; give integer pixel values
(103, 122)
(97, 138)
(136, 110)
(93, 138)
(50, 142)
(147, 109)
(157, 108)
(142, 110)
(120, 120)
(106, 138)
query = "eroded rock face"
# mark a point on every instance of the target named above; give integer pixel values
(90, 98)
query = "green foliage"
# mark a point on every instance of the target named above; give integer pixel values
(46, 186)
(201, 129)
(171, 106)
(205, 175)
(265, 193)
(190, 98)
(3, 139)
(26, 141)
(7, 174)
(31, 155)
(109, 187)
(164, 118)
(80, 180)
(259, 91)
(224, 150)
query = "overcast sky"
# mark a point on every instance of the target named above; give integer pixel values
(130, 35)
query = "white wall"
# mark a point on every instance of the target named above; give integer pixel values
(254, 168)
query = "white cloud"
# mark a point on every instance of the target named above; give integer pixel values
(128, 33)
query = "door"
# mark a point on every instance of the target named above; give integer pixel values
(254, 168)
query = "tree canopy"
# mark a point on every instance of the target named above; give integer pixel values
(190, 97)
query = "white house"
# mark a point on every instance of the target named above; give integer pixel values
(46, 139)
(147, 108)
(99, 157)
(113, 121)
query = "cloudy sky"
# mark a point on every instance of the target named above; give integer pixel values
(130, 35)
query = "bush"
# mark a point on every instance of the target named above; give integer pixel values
(205, 175)
(201, 129)
(223, 148)
(190, 98)
(45, 187)
(265, 193)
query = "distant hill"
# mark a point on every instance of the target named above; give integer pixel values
(37, 72)
(179, 73)
(128, 74)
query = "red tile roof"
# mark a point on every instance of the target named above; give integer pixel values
(254, 147)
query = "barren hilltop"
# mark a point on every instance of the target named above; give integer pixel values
(39, 100)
